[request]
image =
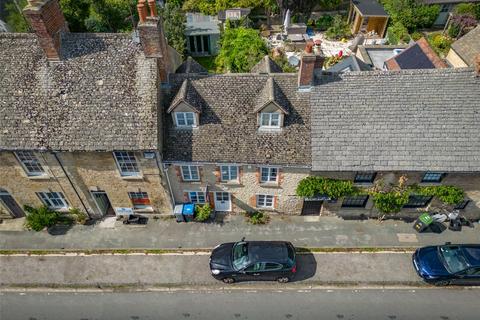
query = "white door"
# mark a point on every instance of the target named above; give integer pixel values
(222, 201)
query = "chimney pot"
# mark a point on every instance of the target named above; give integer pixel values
(309, 47)
(153, 8)
(477, 65)
(142, 10)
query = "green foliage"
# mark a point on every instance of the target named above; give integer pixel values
(112, 16)
(78, 216)
(416, 35)
(390, 202)
(447, 194)
(76, 12)
(207, 62)
(339, 29)
(211, 7)
(39, 218)
(440, 43)
(202, 213)
(175, 24)
(472, 9)
(282, 62)
(411, 14)
(258, 217)
(329, 5)
(14, 17)
(453, 30)
(333, 60)
(324, 22)
(397, 33)
(332, 188)
(240, 49)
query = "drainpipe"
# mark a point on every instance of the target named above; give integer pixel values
(163, 169)
(71, 182)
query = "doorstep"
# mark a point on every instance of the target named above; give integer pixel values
(17, 224)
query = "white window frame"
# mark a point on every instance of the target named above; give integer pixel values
(269, 175)
(229, 171)
(47, 196)
(266, 201)
(187, 173)
(197, 195)
(132, 159)
(133, 194)
(34, 161)
(183, 117)
(270, 116)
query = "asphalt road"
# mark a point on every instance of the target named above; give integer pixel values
(337, 304)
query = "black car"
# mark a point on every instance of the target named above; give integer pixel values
(253, 260)
(448, 264)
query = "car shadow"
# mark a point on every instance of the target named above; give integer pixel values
(306, 266)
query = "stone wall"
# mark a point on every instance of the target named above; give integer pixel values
(243, 192)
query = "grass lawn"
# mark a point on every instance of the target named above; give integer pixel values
(207, 62)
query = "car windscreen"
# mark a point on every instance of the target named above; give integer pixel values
(240, 255)
(453, 258)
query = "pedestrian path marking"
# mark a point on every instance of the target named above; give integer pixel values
(407, 237)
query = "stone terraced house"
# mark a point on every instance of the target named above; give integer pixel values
(115, 123)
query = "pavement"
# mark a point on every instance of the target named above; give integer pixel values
(335, 304)
(192, 270)
(302, 231)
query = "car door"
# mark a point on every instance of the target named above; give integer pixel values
(273, 271)
(255, 271)
(469, 277)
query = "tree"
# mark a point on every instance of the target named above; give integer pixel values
(174, 21)
(14, 17)
(240, 49)
(339, 29)
(411, 14)
(76, 12)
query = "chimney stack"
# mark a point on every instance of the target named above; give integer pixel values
(152, 38)
(311, 59)
(47, 20)
(477, 65)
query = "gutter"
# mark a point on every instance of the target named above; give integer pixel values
(164, 170)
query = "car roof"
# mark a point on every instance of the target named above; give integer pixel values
(268, 251)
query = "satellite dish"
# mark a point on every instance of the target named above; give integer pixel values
(293, 60)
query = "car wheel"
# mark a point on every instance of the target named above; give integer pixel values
(441, 283)
(283, 280)
(228, 280)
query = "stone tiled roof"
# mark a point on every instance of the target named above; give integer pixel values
(399, 120)
(190, 66)
(102, 96)
(188, 94)
(468, 46)
(266, 65)
(271, 93)
(228, 130)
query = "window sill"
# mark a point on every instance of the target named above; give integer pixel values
(269, 130)
(143, 210)
(40, 177)
(363, 184)
(230, 183)
(61, 210)
(428, 183)
(186, 128)
(139, 177)
(269, 184)
(192, 181)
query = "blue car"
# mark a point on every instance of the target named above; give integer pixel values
(448, 264)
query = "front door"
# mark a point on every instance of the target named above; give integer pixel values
(311, 208)
(11, 204)
(103, 203)
(222, 201)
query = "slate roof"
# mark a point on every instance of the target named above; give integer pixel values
(228, 130)
(266, 65)
(188, 94)
(418, 56)
(415, 120)
(190, 66)
(370, 8)
(102, 96)
(271, 93)
(468, 46)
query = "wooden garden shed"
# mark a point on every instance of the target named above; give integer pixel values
(367, 16)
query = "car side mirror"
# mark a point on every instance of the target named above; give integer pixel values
(243, 239)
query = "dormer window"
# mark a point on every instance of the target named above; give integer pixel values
(185, 119)
(270, 120)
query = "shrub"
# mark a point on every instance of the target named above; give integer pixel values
(333, 60)
(440, 43)
(324, 22)
(447, 194)
(416, 35)
(453, 30)
(397, 33)
(339, 28)
(390, 202)
(78, 216)
(39, 218)
(202, 213)
(258, 217)
(332, 188)
(467, 8)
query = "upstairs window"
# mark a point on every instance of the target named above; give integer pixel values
(269, 120)
(364, 177)
(185, 119)
(433, 176)
(229, 173)
(190, 173)
(127, 163)
(268, 174)
(140, 200)
(30, 163)
(53, 200)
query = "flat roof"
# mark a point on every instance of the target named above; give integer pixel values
(370, 8)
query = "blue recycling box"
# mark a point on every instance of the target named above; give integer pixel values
(189, 212)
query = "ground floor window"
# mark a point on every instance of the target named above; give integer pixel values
(417, 201)
(357, 201)
(54, 200)
(196, 196)
(265, 201)
(140, 200)
(199, 44)
(462, 205)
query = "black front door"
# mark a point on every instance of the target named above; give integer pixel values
(311, 208)
(11, 204)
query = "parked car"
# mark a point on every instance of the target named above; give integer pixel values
(448, 264)
(253, 260)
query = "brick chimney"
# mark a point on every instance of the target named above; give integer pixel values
(152, 38)
(309, 61)
(477, 65)
(47, 20)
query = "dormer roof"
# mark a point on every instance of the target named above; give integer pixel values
(266, 65)
(271, 93)
(191, 66)
(189, 95)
